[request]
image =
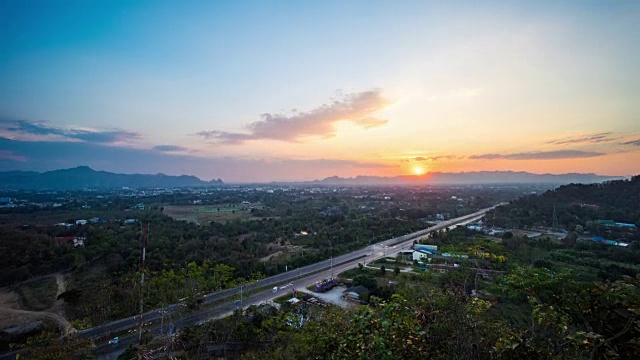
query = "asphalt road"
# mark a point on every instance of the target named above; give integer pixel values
(223, 302)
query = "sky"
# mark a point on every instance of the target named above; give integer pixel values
(251, 91)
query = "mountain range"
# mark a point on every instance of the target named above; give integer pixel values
(469, 178)
(85, 177)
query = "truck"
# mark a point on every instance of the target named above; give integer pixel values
(326, 284)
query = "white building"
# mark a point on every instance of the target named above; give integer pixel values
(419, 255)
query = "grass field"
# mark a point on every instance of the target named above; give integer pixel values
(38, 295)
(204, 214)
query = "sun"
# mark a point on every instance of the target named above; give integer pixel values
(418, 171)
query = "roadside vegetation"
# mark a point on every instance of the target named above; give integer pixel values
(505, 295)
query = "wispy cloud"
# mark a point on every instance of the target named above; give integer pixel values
(9, 155)
(434, 158)
(586, 139)
(41, 131)
(632, 142)
(169, 148)
(320, 122)
(431, 158)
(540, 155)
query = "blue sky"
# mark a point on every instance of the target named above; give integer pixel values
(361, 87)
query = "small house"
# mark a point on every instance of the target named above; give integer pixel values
(357, 292)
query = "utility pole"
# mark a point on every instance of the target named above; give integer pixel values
(145, 238)
(554, 220)
(331, 258)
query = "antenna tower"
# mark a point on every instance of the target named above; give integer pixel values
(555, 225)
(145, 238)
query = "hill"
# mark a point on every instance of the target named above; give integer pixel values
(577, 204)
(85, 177)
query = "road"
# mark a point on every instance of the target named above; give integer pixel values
(223, 302)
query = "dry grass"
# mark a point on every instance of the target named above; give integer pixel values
(200, 214)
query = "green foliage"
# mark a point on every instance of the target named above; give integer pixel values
(365, 280)
(49, 346)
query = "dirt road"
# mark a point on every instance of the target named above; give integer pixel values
(15, 319)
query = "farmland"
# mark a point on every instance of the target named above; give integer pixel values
(203, 215)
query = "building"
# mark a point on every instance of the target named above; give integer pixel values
(357, 292)
(406, 254)
(430, 248)
(65, 239)
(421, 255)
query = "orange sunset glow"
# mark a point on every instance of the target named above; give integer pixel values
(446, 89)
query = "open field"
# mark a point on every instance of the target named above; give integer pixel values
(203, 214)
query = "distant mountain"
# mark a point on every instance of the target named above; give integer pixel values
(85, 177)
(479, 177)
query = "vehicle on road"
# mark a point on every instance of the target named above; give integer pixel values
(326, 284)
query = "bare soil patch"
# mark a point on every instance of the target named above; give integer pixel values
(32, 304)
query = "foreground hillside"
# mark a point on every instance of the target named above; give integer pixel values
(577, 204)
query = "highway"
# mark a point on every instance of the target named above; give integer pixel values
(223, 302)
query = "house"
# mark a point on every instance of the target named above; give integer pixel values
(420, 255)
(130, 221)
(75, 240)
(406, 254)
(79, 241)
(64, 239)
(81, 222)
(357, 292)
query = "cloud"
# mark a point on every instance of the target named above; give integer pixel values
(632, 142)
(430, 158)
(40, 131)
(586, 139)
(169, 148)
(540, 155)
(9, 155)
(434, 158)
(320, 122)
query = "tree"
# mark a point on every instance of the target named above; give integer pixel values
(365, 280)
(49, 346)
(396, 270)
(383, 270)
